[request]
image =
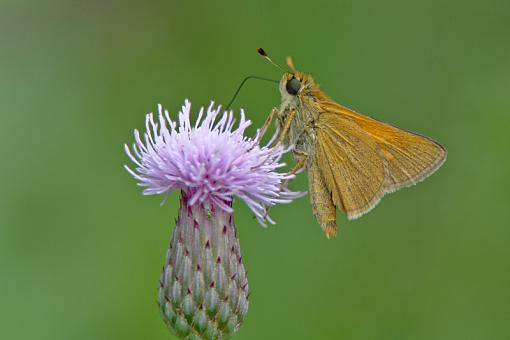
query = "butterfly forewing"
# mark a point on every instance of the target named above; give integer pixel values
(350, 163)
(362, 158)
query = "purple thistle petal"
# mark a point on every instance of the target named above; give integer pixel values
(211, 161)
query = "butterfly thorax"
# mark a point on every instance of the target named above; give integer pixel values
(301, 133)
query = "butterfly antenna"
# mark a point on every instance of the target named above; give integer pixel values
(264, 55)
(241, 85)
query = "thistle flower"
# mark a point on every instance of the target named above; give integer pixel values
(203, 290)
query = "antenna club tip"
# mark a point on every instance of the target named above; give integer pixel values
(261, 51)
(265, 56)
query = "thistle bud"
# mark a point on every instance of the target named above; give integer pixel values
(203, 291)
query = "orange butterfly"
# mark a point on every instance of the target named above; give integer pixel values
(352, 160)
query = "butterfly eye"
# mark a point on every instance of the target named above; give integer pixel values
(293, 86)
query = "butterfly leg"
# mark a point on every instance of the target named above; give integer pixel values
(267, 123)
(285, 129)
(303, 157)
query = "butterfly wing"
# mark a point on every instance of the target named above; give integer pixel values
(323, 207)
(362, 158)
(350, 163)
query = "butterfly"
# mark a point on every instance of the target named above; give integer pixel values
(352, 160)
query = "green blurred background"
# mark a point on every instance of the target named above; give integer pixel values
(81, 249)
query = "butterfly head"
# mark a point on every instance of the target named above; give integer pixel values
(295, 84)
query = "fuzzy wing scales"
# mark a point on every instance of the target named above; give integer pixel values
(350, 162)
(409, 157)
(361, 159)
(323, 207)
